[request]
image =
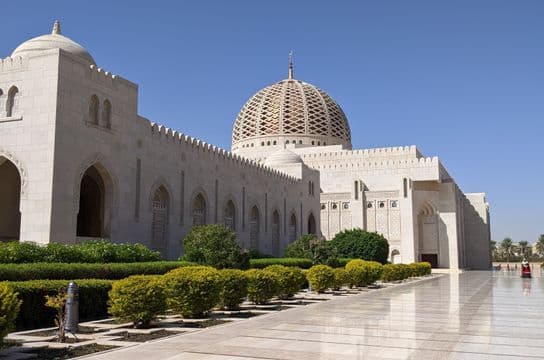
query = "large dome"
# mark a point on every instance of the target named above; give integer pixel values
(52, 41)
(290, 111)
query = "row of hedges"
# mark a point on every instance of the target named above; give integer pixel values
(101, 251)
(93, 298)
(112, 271)
(194, 291)
(396, 272)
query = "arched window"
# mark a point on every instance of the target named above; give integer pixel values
(159, 222)
(94, 104)
(12, 103)
(276, 233)
(292, 228)
(254, 224)
(230, 215)
(311, 224)
(106, 114)
(199, 210)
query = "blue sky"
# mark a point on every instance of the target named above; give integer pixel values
(461, 79)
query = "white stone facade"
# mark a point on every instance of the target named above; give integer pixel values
(78, 162)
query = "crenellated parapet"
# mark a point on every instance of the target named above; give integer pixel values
(167, 135)
(318, 153)
(371, 164)
(106, 78)
(13, 63)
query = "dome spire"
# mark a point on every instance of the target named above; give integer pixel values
(291, 65)
(56, 28)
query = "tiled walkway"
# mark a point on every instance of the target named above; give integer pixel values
(474, 315)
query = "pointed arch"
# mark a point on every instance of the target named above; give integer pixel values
(159, 219)
(311, 224)
(94, 105)
(428, 239)
(254, 227)
(199, 209)
(95, 203)
(10, 200)
(229, 215)
(275, 233)
(292, 227)
(12, 103)
(106, 114)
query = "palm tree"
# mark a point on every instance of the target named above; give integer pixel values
(523, 248)
(507, 248)
(539, 245)
(494, 250)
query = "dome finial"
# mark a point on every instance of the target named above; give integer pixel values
(291, 65)
(56, 28)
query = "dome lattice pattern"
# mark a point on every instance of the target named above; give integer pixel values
(292, 107)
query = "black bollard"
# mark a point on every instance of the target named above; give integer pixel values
(72, 308)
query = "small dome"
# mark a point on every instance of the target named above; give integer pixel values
(52, 41)
(283, 157)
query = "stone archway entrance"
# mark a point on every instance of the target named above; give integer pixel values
(292, 228)
(94, 215)
(10, 199)
(275, 233)
(254, 227)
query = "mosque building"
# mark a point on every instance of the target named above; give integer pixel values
(78, 162)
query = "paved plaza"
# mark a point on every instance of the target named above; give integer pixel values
(472, 315)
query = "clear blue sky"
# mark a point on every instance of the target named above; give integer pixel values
(460, 79)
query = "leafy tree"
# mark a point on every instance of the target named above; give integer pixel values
(360, 244)
(494, 250)
(311, 247)
(539, 245)
(523, 246)
(214, 245)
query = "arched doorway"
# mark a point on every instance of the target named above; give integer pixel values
(275, 233)
(254, 224)
(199, 210)
(395, 257)
(292, 228)
(10, 199)
(311, 224)
(428, 245)
(93, 217)
(159, 222)
(230, 215)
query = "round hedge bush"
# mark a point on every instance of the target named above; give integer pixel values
(341, 278)
(262, 285)
(214, 245)
(233, 288)
(396, 272)
(192, 291)
(360, 244)
(138, 298)
(290, 280)
(363, 273)
(9, 309)
(320, 277)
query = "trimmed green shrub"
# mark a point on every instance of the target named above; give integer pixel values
(262, 285)
(138, 299)
(395, 272)
(193, 291)
(93, 301)
(360, 244)
(423, 268)
(298, 262)
(290, 280)
(101, 251)
(113, 271)
(319, 251)
(320, 277)
(9, 309)
(341, 278)
(233, 288)
(214, 245)
(363, 273)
